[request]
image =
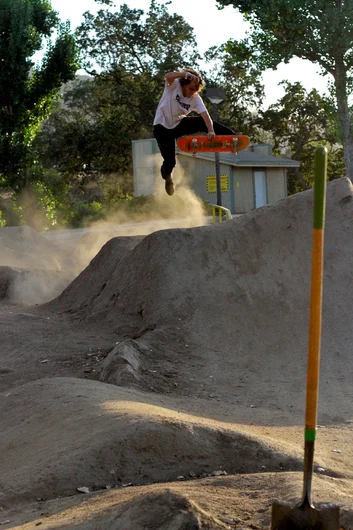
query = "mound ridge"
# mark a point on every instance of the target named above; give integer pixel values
(66, 433)
(91, 282)
(165, 510)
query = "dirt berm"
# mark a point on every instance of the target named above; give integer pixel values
(223, 310)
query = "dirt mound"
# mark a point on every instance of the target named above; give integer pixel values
(66, 433)
(92, 281)
(92, 242)
(226, 306)
(251, 259)
(164, 510)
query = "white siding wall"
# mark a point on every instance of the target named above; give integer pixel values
(146, 161)
(243, 189)
(276, 184)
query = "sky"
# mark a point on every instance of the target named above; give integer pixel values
(211, 27)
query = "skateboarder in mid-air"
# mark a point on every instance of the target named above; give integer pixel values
(180, 97)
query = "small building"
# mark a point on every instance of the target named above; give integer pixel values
(251, 179)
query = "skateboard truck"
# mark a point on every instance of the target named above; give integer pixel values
(234, 145)
(194, 144)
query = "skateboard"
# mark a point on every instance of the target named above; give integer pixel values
(222, 144)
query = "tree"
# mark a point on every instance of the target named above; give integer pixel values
(234, 71)
(319, 31)
(298, 122)
(128, 53)
(124, 41)
(26, 90)
(134, 50)
(90, 132)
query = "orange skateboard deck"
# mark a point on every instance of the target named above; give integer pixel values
(222, 144)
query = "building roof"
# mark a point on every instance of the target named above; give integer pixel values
(247, 158)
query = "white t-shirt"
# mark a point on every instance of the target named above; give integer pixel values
(173, 106)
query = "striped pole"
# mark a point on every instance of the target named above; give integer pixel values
(312, 386)
(316, 293)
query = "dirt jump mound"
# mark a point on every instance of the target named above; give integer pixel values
(209, 304)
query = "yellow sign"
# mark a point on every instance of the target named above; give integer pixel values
(211, 185)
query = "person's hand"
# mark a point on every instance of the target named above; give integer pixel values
(191, 77)
(211, 135)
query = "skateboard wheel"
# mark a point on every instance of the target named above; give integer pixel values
(194, 143)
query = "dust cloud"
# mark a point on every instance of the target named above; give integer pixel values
(182, 210)
(44, 263)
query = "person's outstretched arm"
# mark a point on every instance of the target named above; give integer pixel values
(209, 124)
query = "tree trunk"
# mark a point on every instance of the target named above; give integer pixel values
(344, 118)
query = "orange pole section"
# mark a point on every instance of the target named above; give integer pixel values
(314, 331)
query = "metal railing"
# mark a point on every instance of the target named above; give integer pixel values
(222, 212)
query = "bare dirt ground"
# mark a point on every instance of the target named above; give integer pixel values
(161, 385)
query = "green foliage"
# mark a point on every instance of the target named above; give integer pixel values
(85, 214)
(2, 221)
(319, 31)
(46, 201)
(91, 133)
(299, 117)
(299, 122)
(335, 166)
(34, 206)
(57, 202)
(233, 69)
(138, 43)
(12, 214)
(27, 90)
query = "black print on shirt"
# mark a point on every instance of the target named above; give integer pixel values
(184, 105)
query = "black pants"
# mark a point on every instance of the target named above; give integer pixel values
(188, 126)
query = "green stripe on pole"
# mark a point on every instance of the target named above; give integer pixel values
(320, 186)
(310, 435)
